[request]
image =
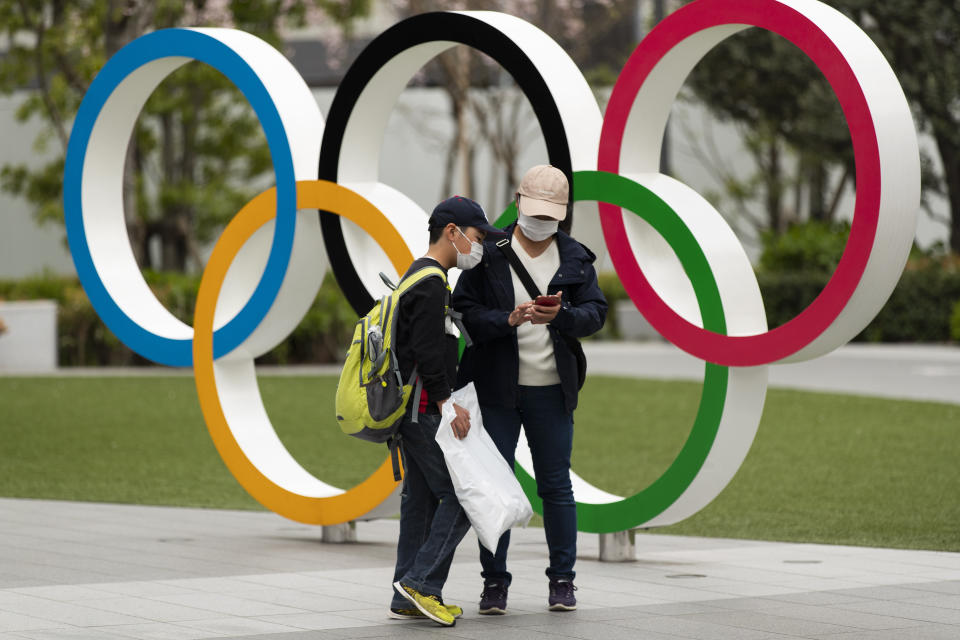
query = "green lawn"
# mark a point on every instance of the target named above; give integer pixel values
(824, 468)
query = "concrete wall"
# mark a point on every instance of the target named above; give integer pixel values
(25, 248)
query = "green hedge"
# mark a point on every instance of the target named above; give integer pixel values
(924, 307)
(83, 340)
(919, 309)
(796, 265)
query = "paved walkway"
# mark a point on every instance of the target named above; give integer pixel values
(914, 372)
(83, 570)
(79, 570)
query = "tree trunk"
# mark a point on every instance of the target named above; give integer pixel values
(459, 74)
(446, 188)
(174, 246)
(131, 169)
(462, 145)
(547, 15)
(837, 194)
(189, 173)
(816, 188)
(950, 156)
(798, 192)
(774, 187)
(126, 21)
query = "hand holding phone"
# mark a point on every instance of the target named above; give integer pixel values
(545, 308)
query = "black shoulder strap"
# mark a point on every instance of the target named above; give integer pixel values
(521, 271)
(395, 452)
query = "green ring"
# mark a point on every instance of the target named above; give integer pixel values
(665, 490)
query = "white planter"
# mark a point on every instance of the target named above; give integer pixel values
(30, 342)
(633, 326)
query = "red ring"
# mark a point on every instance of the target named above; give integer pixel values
(789, 338)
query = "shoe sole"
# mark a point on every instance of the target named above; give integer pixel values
(493, 611)
(399, 588)
(400, 616)
(562, 607)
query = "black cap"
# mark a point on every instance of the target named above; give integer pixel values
(462, 212)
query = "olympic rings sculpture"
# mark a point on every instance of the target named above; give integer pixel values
(679, 261)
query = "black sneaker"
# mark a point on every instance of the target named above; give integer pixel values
(493, 600)
(561, 595)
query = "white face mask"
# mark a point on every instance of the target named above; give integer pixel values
(537, 229)
(468, 260)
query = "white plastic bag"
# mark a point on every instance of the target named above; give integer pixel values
(486, 487)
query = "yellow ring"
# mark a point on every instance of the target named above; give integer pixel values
(311, 194)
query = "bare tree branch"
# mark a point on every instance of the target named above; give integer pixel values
(713, 162)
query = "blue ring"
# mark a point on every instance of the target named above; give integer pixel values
(202, 47)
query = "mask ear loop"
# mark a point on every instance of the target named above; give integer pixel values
(457, 249)
(453, 242)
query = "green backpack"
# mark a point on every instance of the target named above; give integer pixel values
(371, 396)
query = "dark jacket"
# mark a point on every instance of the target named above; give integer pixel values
(485, 297)
(421, 339)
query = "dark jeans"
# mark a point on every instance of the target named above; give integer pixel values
(432, 522)
(549, 431)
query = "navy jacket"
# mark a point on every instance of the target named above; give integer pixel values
(485, 297)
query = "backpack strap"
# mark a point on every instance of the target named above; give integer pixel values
(394, 445)
(387, 281)
(394, 442)
(417, 276)
(415, 396)
(457, 318)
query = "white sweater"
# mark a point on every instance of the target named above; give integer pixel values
(538, 368)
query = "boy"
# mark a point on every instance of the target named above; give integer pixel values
(432, 522)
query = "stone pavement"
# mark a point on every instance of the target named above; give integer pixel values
(85, 570)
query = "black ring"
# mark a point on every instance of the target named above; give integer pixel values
(416, 30)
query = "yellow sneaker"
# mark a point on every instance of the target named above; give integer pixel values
(430, 606)
(414, 614)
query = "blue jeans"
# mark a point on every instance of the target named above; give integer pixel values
(549, 431)
(432, 522)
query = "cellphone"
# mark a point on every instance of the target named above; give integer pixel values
(547, 301)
